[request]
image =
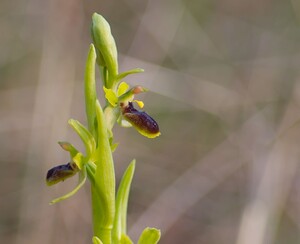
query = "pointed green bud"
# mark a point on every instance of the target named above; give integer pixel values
(105, 47)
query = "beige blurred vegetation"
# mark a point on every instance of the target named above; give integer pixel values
(225, 82)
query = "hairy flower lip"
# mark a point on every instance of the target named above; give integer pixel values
(60, 173)
(142, 121)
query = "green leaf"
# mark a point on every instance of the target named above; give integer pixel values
(85, 135)
(82, 179)
(129, 72)
(103, 191)
(96, 240)
(111, 96)
(105, 47)
(149, 236)
(121, 203)
(90, 90)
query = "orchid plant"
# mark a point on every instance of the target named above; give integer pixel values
(109, 209)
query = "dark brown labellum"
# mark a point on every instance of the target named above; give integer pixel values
(143, 122)
(60, 173)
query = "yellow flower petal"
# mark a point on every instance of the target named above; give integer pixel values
(139, 103)
(123, 87)
(111, 96)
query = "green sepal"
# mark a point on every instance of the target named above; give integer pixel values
(82, 178)
(129, 72)
(105, 47)
(90, 90)
(111, 96)
(85, 135)
(121, 203)
(149, 236)
(96, 240)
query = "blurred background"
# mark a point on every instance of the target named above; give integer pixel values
(225, 88)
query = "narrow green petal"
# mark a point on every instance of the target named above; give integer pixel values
(121, 203)
(69, 148)
(82, 179)
(90, 90)
(149, 236)
(85, 135)
(129, 72)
